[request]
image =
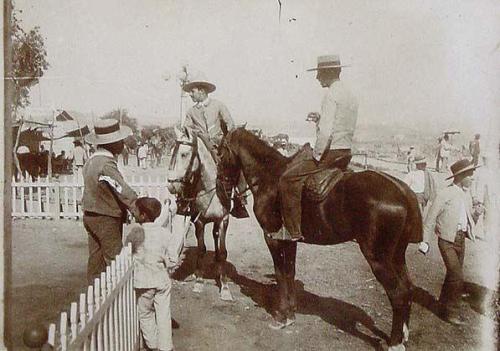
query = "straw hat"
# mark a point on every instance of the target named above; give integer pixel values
(326, 62)
(199, 80)
(420, 159)
(107, 131)
(460, 167)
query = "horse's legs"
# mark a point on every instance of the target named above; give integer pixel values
(200, 254)
(402, 269)
(383, 267)
(278, 255)
(219, 231)
(290, 253)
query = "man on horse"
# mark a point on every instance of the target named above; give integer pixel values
(334, 133)
(211, 119)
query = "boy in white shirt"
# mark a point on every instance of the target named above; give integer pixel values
(156, 249)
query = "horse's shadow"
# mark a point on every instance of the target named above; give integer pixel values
(342, 315)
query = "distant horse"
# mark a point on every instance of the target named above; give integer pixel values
(192, 173)
(31, 164)
(376, 210)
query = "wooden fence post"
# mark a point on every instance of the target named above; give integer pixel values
(57, 199)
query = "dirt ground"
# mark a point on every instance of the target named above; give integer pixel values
(340, 304)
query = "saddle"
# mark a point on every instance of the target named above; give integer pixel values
(318, 185)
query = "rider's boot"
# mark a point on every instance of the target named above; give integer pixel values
(291, 212)
(239, 210)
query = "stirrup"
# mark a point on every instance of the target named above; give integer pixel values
(284, 235)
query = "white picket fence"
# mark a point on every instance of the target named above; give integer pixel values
(105, 317)
(62, 198)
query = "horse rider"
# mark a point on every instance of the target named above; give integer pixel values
(211, 118)
(334, 133)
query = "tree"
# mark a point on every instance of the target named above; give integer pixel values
(125, 118)
(29, 61)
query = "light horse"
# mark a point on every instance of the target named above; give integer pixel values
(376, 210)
(192, 173)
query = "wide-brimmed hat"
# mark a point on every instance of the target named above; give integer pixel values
(199, 80)
(326, 62)
(107, 131)
(460, 167)
(420, 159)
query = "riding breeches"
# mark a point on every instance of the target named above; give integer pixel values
(292, 181)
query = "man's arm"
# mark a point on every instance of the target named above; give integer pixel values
(226, 117)
(188, 120)
(436, 208)
(325, 126)
(124, 193)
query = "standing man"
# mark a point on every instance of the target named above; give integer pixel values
(445, 152)
(106, 196)
(410, 159)
(125, 154)
(142, 155)
(211, 118)
(438, 154)
(474, 149)
(79, 159)
(451, 218)
(421, 182)
(334, 133)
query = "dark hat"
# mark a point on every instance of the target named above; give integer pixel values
(460, 167)
(107, 131)
(326, 62)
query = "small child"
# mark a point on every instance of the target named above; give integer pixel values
(156, 249)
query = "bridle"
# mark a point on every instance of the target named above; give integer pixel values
(233, 177)
(189, 176)
(222, 175)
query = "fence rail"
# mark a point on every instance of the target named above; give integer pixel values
(62, 199)
(105, 317)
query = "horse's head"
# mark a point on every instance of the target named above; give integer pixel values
(184, 162)
(229, 164)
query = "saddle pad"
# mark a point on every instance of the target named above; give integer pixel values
(318, 185)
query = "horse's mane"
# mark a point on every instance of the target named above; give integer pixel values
(265, 154)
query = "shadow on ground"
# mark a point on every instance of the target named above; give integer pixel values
(340, 314)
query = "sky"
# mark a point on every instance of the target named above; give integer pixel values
(421, 64)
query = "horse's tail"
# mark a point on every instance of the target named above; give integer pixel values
(413, 225)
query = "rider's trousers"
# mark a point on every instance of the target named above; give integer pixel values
(292, 181)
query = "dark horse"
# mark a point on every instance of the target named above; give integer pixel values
(376, 210)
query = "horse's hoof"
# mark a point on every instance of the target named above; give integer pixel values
(290, 321)
(276, 325)
(190, 278)
(406, 333)
(399, 347)
(198, 287)
(225, 294)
